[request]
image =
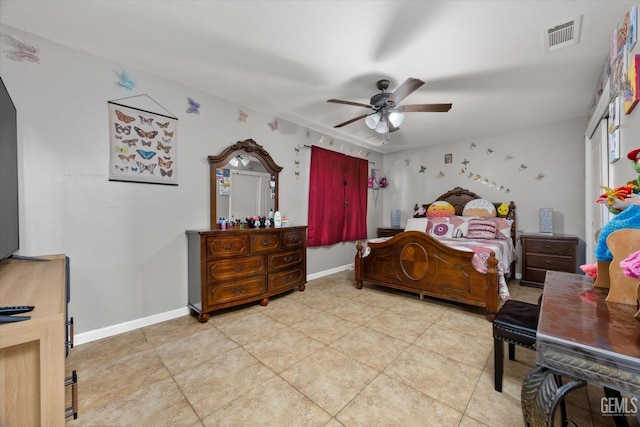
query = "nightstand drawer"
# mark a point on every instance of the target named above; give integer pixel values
(550, 247)
(556, 263)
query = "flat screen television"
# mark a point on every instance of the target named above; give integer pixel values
(9, 215)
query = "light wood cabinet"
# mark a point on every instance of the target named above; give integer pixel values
(32, 352)
(233, 267)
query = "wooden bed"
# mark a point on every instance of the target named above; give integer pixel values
(416, 262)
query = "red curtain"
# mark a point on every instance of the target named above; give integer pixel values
(354, 224)
(337, 198)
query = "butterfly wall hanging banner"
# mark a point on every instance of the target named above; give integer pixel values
(143, 146)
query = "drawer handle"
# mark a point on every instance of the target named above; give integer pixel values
(547, 246)
(289, 278)
(227, 246)
(238, 269)
(295, 239)
(238, 291)
(288, 259)
(547, 262)
(266, 242)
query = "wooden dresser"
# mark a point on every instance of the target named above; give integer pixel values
(540, 252)
(233, 267)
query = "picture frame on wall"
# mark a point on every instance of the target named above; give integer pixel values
(614, 146)
(448, 158)
(614, 114)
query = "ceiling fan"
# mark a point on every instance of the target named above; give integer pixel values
(388, 115)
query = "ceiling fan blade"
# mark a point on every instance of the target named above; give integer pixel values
(357, 104)
(355, 119)
(405, 89)
(424, 108)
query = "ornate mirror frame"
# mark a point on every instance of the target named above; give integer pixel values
(248, 146)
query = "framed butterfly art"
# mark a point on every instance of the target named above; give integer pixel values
(143, 146)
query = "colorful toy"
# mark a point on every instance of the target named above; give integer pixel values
(440, 209)
(503, 210)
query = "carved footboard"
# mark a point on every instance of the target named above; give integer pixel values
(414, 261)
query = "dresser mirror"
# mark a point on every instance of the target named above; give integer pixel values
(243, 181)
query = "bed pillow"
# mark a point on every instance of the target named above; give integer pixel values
(417, 224)
(459, 225)
(482, 228)
(441, 229)
(480, 208)
(503, 228)
(440, 209)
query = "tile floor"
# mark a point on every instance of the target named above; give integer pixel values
(332, 355)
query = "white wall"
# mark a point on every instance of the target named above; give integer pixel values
(127, 241)
(555, 150)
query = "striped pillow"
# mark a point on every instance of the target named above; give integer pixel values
(481, 228)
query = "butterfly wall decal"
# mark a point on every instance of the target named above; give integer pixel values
(193, 107)
(440, 175)
(273, 125)
(134, 169)
(122, 129)
(145, 120)
(124, 81)
(422, 169)
(540, 176)
(128, 158)
(144, 167)
(147, 143)
(146, 154)
(118, 136)
(143, 134)
(120, 149)
(162, 125)
(165, 148)
(166, 133)
(123, 117)
(122, 168)
(164, 164)
(166, 173)
(20, 51)
(130, 142)
(166, 140)
(242, 116)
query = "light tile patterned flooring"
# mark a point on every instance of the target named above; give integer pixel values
(332, 355)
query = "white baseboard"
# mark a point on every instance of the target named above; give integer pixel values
(121, 328)
(131, 325)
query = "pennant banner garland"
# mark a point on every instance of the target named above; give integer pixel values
(143, 146)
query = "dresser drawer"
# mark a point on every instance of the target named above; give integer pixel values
(550, 247)
(264, 242)
(285, 260)
(225, 269)
(293, 239)
(534, 275)
(286, 279)
(548, 262)
(226, 246)
(236, 290)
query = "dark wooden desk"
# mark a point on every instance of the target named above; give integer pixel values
(581, 337)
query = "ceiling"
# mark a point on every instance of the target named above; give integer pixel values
(286, 58)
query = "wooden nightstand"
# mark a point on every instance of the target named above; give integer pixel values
(540, 252)
(389, 231)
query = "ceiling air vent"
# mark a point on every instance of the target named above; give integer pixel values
(563, 35)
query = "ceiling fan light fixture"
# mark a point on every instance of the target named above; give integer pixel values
(234, 162)
(396, 118)
(372, 120)
(244, 161)
(382, 127)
